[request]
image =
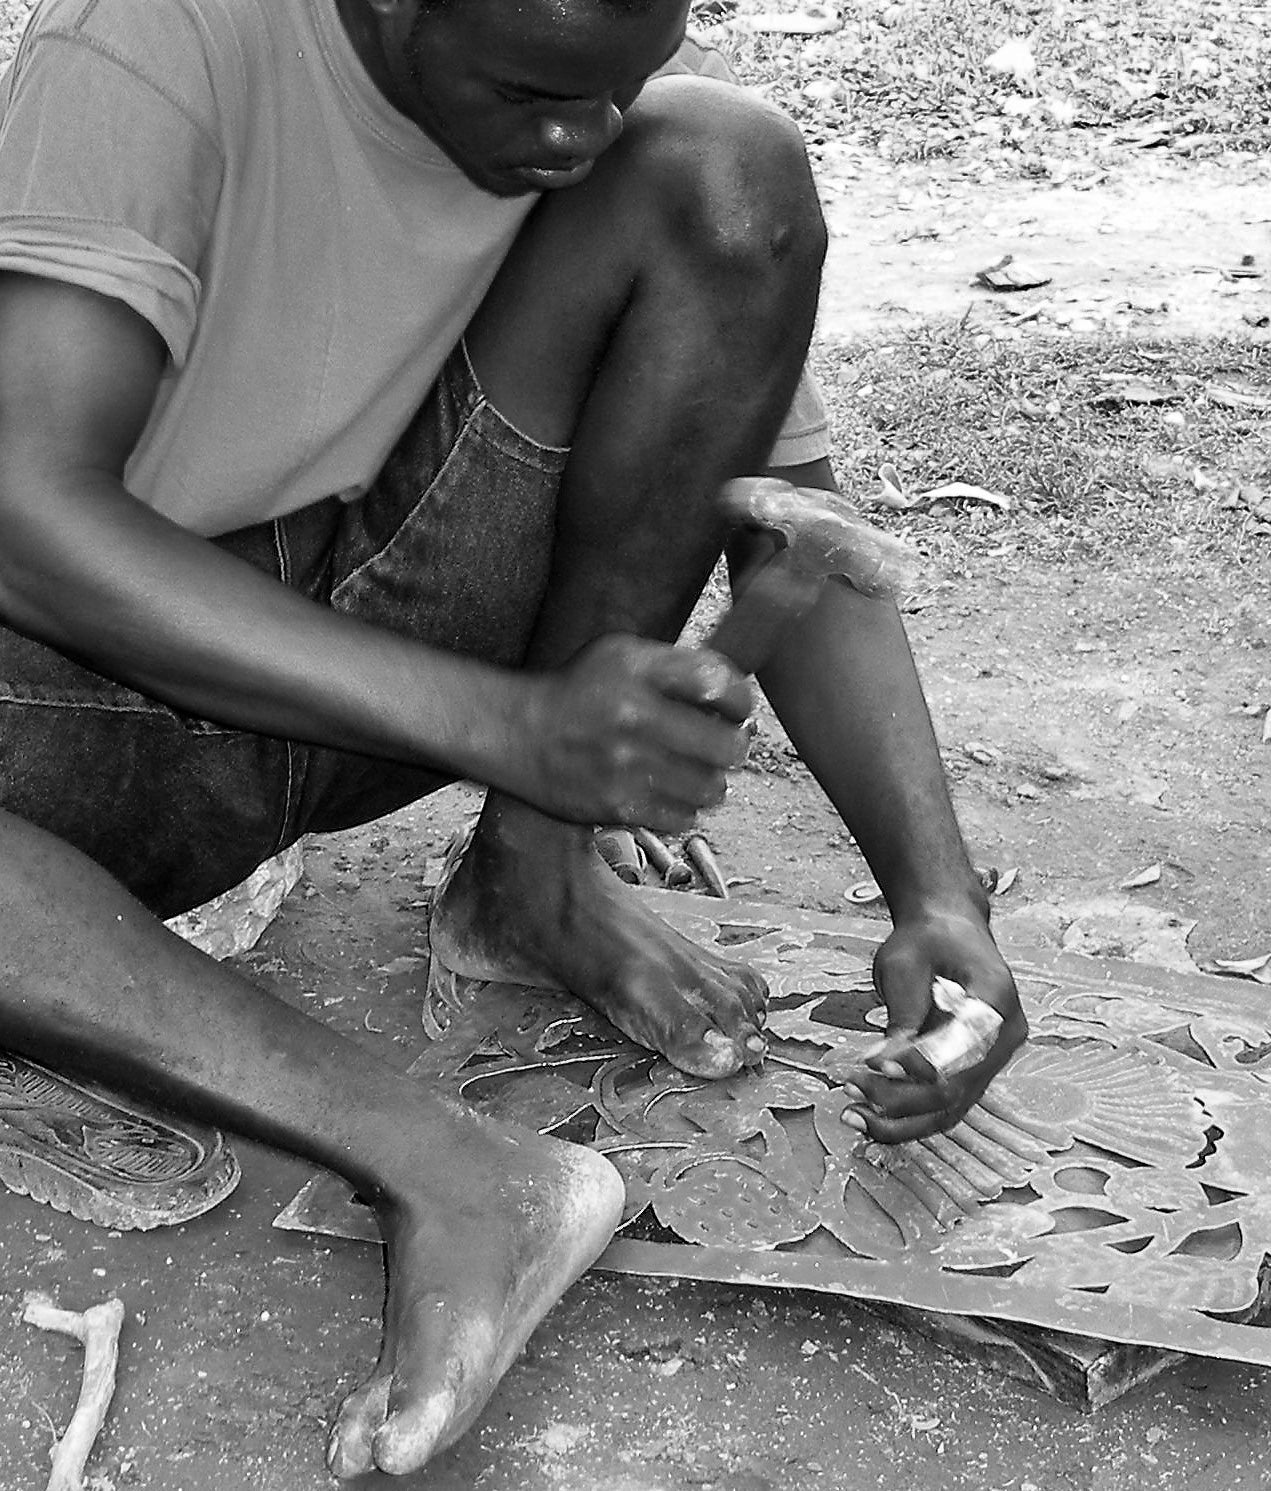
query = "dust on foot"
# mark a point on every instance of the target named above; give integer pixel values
(558, 918)
(470, 1276)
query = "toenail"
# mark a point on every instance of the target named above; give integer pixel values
(757, 1044)
(854, 1120)
(718, 1039)
(852, 1093)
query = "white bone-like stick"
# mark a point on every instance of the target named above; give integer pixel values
(98, 1331)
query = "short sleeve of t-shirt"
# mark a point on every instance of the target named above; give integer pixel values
(109, 164)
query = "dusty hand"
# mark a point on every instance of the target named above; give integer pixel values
(905, 1098)
(631, 731)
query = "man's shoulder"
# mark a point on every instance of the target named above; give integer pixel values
(158, 29)
(198, 53)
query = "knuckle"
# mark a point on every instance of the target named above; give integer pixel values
(626, 714)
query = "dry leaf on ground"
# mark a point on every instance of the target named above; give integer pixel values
(1148, 876)
(892, 489)
(1014, 59)
(1123, 388)
(1007, 276)
(1258, 969)
(1232, 396)
(962, 491)
(811, 21)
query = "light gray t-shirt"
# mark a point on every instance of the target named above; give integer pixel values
(229, 170)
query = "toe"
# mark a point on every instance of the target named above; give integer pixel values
(703, 1028)
(361, 1416)
(752, 990)
(447, 1366)
(413, 1433)
(700, 1048)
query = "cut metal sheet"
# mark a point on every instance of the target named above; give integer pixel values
(1111, 1183)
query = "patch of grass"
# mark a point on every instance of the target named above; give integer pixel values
(1184, 482)
(908, 77)
(13, 17)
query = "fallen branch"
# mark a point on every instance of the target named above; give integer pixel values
(97, 1329)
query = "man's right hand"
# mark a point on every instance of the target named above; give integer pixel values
(632, 731)
(629, 731)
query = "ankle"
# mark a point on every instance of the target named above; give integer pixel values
(513, 828)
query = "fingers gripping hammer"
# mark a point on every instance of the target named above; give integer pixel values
(822, 536)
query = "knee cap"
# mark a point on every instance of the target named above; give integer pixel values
(728, 176)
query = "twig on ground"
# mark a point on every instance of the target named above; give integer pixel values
(97, 1329)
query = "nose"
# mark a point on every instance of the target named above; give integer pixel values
(582, 133)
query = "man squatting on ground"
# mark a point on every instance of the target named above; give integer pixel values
(276, 559)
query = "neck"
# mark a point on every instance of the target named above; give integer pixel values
(364, 33)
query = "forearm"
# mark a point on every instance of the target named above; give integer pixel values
(844, 685)
(90, 571)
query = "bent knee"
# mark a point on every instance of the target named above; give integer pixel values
(725, 176)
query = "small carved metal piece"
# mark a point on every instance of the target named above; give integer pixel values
(104, 1158)
(1110, 1184)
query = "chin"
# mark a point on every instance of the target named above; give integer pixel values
(490, 179)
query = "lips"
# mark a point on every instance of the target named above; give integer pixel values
(552, 178)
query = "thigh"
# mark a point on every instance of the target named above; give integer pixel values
(452, 546)
(177, 809)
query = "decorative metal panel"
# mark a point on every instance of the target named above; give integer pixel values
(1112, 1182)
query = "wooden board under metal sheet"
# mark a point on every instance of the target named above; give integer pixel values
(1102, 1211)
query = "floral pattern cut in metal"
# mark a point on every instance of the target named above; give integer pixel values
(1111, 1183)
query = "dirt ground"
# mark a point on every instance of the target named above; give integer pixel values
(1138, 244)
(1093, 722)
(1097, 719)
(241, 1340)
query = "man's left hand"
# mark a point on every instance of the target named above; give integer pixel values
(905, 1098)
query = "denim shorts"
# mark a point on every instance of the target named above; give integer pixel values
(451, 545)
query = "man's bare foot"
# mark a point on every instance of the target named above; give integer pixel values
(530, 901)
(497, 1226)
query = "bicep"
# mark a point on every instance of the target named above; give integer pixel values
(79, 373)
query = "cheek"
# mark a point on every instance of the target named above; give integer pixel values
(502, 132)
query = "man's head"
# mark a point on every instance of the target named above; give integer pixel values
(523, 95)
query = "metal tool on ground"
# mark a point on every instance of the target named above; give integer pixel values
(97, 1330)
(702, 857)
(673, 870)
(624, 856)
(823, 537)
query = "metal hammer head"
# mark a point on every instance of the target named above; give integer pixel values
(824, 533)
(823, 536)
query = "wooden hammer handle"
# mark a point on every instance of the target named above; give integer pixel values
(776, 596)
